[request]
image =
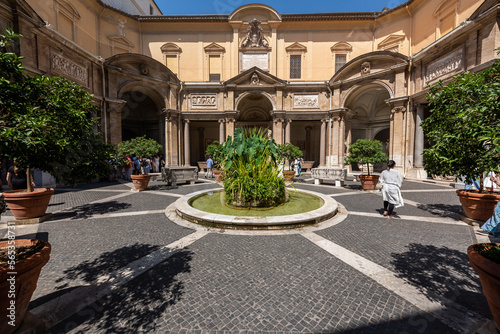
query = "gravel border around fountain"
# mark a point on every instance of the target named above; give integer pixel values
(187, 212)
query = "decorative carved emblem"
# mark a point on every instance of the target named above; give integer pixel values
(255, 36)
(203, 101)
(306, 101)
(365, 68)
(445, 66)
(67, 67)
(255, 79)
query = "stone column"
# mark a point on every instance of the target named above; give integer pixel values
(171, 138)
(397, 141)
(222, 137)
(288, 126)
(308, 143)
(201, 144)
(335, 139)
(187, 146)
(419, 137)
(322, 141)
(278, 130)
(230, 127)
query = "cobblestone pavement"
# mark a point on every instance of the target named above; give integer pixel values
(119, 265)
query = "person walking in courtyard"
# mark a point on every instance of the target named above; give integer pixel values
(391, 181)
(210, 170)
(492, 225)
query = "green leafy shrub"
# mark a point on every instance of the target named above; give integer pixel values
(251, 167)
(365, 152)
(464, 125)
(289, 152)
(139, 146)
(48, 123)
(214, 150)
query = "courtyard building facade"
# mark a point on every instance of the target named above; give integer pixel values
(318, 81)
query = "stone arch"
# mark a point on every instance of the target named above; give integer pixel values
(254, 107)
(142, 113)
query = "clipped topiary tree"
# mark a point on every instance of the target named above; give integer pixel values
(139, 146)
(365, 152)
(289, 152)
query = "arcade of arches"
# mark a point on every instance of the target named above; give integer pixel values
(318, 81)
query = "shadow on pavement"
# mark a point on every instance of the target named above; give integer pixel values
(441, 272)
(88, 210)
(138, 305)
(443, 210)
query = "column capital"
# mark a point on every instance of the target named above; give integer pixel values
(221, 120)
(278, 120)
(398, 109)
(186, 121)
(115, 105)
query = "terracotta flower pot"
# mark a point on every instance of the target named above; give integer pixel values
(289, 175)
(20, 286)
(478, 206)
(218, 175)
(26, 205)
(368, 182)
(140, 181)
(489, 274)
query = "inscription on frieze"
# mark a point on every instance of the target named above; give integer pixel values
(449, 64)
(203, 101)
(69, 68)
(260, 60)
(306, 101)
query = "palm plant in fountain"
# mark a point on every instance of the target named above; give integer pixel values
(251, 166)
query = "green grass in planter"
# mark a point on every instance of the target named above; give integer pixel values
(492, 253)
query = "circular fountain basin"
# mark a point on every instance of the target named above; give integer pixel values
(264, 220)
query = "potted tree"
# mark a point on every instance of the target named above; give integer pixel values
(463, 130)
(289, 152)
(140, 147)
(366, 152)
(214, 150)
(46, 123)
(485, 259)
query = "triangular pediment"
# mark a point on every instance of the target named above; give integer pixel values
(170, 47)
(391, 40)
(341, 46)
(68, 9)
(120, 40)
(444, 5)
(296, 47)
(214, 47)
(254, 76)
(486, 5)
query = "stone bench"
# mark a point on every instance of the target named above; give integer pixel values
(174, 175)
(155, 176)
(332, 174)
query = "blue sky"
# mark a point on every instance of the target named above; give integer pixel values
(171, 7)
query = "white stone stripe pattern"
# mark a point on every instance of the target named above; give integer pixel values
(62, 307)
(450, 313)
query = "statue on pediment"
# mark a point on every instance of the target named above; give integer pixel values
(255, 36)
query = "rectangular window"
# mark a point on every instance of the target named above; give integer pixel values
(151, 12)
(214, 77)
(215, 70)
(340, 61)
(295, 66)
(447, 24)
(172, 63)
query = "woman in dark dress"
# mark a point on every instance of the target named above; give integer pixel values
(17, 179)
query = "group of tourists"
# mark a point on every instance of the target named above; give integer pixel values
(133, 165)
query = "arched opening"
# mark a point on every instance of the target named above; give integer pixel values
(140, 116)
(254, 111)
(371, 116)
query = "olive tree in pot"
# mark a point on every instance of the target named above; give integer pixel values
(289, 152)
(366, 152)
(463, 130)
(46, 123)
(140, 147)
